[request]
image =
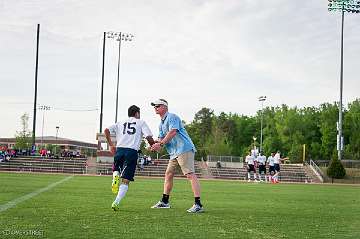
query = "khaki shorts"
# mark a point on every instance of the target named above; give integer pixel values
(185, 161)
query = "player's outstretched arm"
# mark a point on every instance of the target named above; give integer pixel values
(157, 146)
(150, 140)
(108, 139)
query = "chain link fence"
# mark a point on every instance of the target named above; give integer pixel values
(225, 161)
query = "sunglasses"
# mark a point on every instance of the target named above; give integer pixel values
(156, 106)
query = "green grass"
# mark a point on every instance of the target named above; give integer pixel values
(80, 208)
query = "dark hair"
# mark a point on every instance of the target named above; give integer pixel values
(133, 110)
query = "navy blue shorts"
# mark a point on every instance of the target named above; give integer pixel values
(277, 167)
(262, 168)
(272, 169)
(125, 161)
(251, 168)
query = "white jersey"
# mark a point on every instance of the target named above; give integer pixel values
(277, 158)
(261, 159)
(271, 160)
(129, 133)
(249, 160)
(254, 152)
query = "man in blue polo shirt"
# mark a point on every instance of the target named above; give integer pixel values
(181, 149)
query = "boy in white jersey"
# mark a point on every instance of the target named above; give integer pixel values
(270, 161)
(250, 160)
(129, 134)
(277, 160)
(261, 159)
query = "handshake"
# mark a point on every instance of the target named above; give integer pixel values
(156, 146)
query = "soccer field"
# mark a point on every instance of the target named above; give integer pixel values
(32, 206)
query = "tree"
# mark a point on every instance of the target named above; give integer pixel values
(335, 169)
(22, 137)
(200, 130)
(217, 144)
(271, 140)
(352, 130)
(284, 128)
(203, 121)
(327, 124)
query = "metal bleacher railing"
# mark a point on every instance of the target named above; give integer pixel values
(316, 170)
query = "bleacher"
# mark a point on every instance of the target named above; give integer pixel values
(288, 173)
(38, 164)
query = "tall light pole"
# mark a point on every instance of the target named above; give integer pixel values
(57, 132)
(261, 99)
(119, 36)
(350, 6)
(43, 108)
(102, 84)
(35, 94)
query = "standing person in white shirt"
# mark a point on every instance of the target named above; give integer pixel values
(261, 159)
(129, 134)
(277, 166)
(255, 152)
(250, 160)
(270, 161)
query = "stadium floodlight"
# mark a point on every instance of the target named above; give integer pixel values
(350, 6)
(261, 99)
(119, 36)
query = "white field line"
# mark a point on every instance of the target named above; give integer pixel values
(18, 200)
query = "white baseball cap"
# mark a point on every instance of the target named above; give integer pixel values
(159, 102)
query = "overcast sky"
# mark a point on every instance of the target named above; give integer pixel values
(220, 54)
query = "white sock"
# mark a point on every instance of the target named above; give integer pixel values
(122, 191)
(249, 176)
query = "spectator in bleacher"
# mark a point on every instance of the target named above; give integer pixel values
(270, 161)
(128, 134)
(13, 153)
(43, 152)
(141, 163)
(149, 160)
(2, 156)
(261, 162)
(174, 137)
(250, 161)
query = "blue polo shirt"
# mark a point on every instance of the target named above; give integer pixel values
(181, 142)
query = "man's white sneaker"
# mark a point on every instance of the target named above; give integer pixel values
(195, 209)
(161, 204)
